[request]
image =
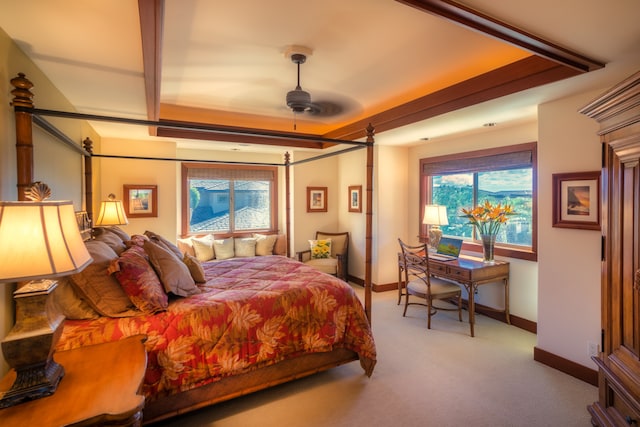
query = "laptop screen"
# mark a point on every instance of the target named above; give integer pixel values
(450, 246)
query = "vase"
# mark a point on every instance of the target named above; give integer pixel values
(488, 246)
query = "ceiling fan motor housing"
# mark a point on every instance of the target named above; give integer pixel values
(298, 100)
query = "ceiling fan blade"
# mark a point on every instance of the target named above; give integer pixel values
(324, 108)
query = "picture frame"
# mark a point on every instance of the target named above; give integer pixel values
(140, 201)
(316, 199)
(355, 198)
(576, 200)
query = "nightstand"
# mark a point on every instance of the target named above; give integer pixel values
(101, 386)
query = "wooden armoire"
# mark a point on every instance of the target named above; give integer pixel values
(618, 113)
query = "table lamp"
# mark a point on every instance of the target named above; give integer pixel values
(39, 241)
(111, 213)
(434, 217)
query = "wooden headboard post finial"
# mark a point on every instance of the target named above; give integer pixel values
(87, 144)
(24, 135)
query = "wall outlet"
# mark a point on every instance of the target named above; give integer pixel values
(592, 349)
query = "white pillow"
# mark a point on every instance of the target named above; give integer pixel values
(186, 246)
(265, 243)
(245, 247)
(224, 248)
(203, 247)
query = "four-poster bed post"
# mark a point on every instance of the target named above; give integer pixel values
(287, 181)
(88, 178)
(22, 97)
(369, 225)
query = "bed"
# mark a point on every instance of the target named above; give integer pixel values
(254, 322)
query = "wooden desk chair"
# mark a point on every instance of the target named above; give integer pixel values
(419, 282)
(338, 260)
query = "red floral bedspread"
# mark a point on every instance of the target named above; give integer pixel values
(253, 312)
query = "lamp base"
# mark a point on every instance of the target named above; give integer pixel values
(435, 235)
(30, 345)
(33, 383)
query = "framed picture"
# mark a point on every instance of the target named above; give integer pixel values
(316, 199)
(355, 198)
(140, 201)
(576, 200)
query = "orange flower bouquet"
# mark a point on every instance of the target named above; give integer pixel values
(488, 218)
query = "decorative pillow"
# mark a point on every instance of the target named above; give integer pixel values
(140, 281)
(265, 243)
(320, 248)
(68, 302)
(195, 268)
(173, 273)
(186, 246)
(137, 240)
(203, 247)
(280, 248)
(113, 240)
(164, 243)
(245, 247)
(123, 235)
(224, 248)
(97, 287)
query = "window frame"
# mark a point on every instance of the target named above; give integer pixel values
(232, 232)
(458, 160)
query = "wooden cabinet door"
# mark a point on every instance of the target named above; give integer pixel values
(624, 166)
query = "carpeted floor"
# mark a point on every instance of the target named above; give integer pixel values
(440, 377)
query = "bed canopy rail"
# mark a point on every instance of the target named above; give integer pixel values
(26, 115)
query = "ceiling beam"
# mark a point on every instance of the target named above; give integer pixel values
(525, 74)
(485, 24)
(151, 28)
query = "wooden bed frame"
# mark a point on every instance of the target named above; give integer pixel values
(165, 407)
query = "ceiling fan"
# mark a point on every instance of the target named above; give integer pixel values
(299, 100)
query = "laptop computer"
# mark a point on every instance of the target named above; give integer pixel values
(448, 249)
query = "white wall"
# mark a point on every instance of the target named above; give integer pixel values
(317, 173)
(391, 214)
(352, 171)
(569, 284)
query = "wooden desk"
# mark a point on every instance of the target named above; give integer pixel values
(100, 387)
(470, 273)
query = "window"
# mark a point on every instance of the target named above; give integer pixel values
(504, 175)
(228, 199)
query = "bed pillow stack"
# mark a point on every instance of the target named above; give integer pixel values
(129, 275)
(208, 247)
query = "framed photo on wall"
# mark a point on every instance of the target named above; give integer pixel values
(316, 199)
(140, 201)
(355, 198)
(576, 200)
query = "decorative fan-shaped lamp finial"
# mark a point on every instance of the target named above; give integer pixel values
(38, 192)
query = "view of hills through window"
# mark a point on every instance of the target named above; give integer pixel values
(466, 190)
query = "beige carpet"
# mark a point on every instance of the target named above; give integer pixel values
(438, 377)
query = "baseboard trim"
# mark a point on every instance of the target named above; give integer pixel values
(569, 367)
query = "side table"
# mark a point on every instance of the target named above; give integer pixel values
(101, 386)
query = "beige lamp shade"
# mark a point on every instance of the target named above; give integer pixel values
(435, 215)
(40, 240)
(111, 213)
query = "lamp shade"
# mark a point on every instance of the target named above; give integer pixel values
(40, 240)
(435, 215)
(111, 213)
